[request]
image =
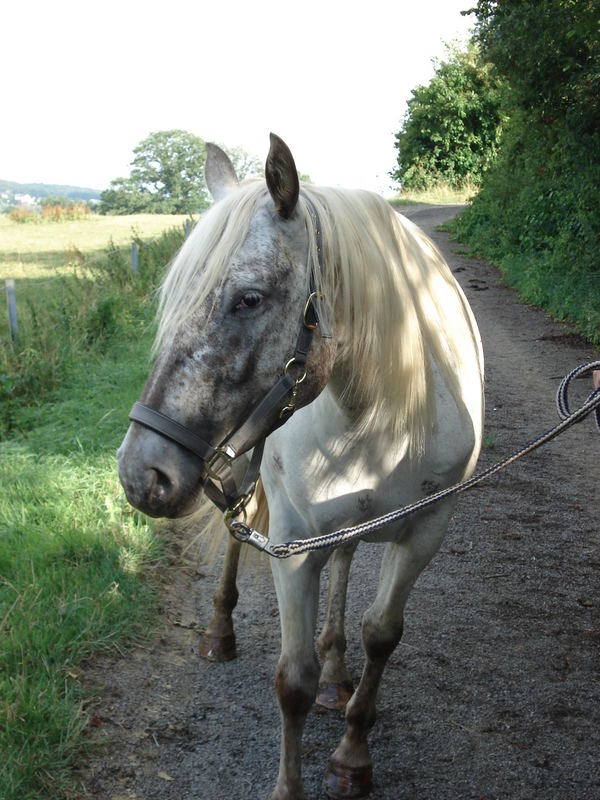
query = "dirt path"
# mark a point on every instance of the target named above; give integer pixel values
(494, 691)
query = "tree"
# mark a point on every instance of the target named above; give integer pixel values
(167, 177)
(452, 126)
(245, 165)
(549, 52)
(537, 213)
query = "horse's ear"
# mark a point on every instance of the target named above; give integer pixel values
(282, 177)
(219, 172)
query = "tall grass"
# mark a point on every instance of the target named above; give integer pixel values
(75, 314)
(77, 565)
(441, 193)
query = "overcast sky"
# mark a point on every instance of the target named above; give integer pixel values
(84, 82)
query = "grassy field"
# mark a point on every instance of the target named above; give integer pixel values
(29, 251)
(77, 565)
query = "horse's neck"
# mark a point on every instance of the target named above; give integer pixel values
(346, 423)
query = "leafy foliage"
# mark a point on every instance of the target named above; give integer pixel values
(451, 130)
(167, 176)
(549, 51)
(538, 211)
(245, 165)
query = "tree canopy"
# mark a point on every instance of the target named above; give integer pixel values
(167, 176)
(537, 213)
(452, 126)
(549, 52)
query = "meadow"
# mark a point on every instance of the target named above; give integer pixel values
(29, 251)
(78, 567)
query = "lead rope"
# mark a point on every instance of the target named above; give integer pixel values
(244, 533)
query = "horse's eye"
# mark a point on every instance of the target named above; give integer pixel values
(249, 300)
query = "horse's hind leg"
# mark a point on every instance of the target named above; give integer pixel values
(350, 767)
(335, 684)
(218, 640)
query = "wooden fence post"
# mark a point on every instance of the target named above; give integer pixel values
(134, 256)
(11, 305)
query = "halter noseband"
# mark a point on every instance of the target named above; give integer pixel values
(231, 498)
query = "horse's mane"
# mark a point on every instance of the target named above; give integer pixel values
(397, 306)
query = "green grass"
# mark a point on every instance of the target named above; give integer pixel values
(30, 252)
(440, 194)
(76, 312)
(78, 567)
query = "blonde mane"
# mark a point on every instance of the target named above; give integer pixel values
(397, 306)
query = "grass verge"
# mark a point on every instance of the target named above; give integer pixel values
(78, 567)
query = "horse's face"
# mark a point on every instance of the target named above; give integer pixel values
(217, 365)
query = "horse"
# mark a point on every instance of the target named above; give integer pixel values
(321, 330)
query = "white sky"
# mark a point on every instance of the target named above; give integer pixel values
(84, 82)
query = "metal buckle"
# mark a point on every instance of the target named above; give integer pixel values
(227, 454)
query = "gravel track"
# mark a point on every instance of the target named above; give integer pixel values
(494, 691)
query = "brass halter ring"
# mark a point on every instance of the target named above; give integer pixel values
(287, 367)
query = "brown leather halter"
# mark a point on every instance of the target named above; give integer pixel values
(218, 459)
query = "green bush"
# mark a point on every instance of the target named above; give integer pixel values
(537, 214)
(538, 217)
(452, 126)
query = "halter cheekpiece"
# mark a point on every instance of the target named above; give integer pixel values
(221, 486)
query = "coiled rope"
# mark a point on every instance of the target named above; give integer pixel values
(245, 533)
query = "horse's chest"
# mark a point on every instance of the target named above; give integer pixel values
(315, 468)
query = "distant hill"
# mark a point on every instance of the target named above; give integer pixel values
(41, 190)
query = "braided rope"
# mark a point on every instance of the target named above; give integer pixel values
(344, 535)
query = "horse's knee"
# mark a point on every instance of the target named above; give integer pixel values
(379, 639)
(296, 684)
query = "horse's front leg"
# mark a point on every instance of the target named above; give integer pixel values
(297, 674)
(335, 683)
(218, 640)
(350, 767)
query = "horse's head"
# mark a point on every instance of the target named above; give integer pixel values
(232, 307)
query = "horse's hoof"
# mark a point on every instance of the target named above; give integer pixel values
(218, 648)
(342, 782)
(334, 696)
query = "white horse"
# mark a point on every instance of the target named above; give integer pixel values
(387, 409)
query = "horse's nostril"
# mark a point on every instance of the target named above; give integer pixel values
(160, 486)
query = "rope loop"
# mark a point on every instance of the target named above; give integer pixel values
(562, 401)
